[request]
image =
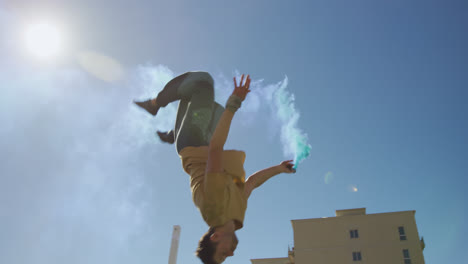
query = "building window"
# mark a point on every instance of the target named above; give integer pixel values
(353, 233)
(401, 230)
(357, 256)
(406, 256)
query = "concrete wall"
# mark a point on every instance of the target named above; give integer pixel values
(327, 240)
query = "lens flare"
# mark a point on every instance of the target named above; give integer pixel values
(353, 188)
(101, 66)
(328, 177)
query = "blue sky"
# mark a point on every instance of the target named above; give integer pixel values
(380, 87)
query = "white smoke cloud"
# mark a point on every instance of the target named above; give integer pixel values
(72, 188)
(70, 192)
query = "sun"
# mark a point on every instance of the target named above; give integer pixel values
(43, 40)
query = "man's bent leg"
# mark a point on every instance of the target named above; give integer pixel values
(216, 114)
(182, 86)
(205, 138)
(194, 128)
(170, 136)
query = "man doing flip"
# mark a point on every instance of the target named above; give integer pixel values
(217, 176)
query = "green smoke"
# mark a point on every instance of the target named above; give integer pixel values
(293, 139)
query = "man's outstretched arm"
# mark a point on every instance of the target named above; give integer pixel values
(215, 149)
(259, 177)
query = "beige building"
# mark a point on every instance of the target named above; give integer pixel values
(353, 236)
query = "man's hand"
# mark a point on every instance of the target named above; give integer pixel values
(259, 177)
(243, 89)
(287, 166)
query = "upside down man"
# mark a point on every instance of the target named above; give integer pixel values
(217, 176)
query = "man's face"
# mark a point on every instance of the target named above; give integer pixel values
(227, 244)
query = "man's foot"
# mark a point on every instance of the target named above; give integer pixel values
(167, 137)
(148, 105)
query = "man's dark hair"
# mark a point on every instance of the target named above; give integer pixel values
(206, 248)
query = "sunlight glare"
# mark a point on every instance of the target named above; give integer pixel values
(43, 40)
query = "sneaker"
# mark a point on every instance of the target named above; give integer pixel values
(149, 106)
(167, 137)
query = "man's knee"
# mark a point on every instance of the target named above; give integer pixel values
(201, 76)
(197, 83)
